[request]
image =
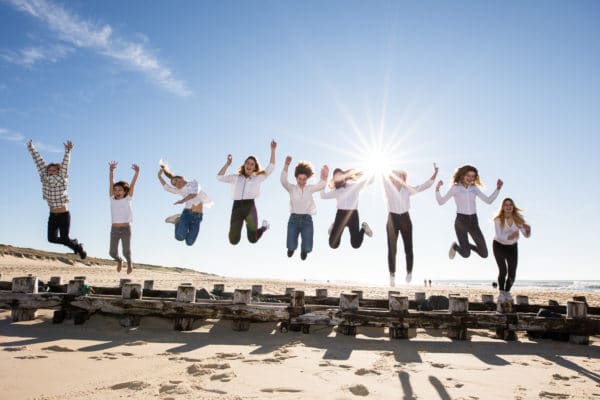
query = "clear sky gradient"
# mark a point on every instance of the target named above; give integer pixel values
(510, 87)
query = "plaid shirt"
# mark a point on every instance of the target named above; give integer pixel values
(54, 187)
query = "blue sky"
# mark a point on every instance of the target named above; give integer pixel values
(512, 88)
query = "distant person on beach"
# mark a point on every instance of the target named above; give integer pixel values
(302, 205)
(508, 222)
(465, 189)
(121, 196)
(430, 283)
(245, 188)
(346, 187)
(55, 181)
(194, 199)
(397, 195)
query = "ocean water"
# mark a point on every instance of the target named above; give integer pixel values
(582, 285)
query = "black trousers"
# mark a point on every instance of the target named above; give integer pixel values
(399, 223)
(466, 225)
(506, 257)
(244, 211)
(346, 218)
(58, 230)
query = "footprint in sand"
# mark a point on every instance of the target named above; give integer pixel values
(550, 395)
(17, 348)
(132, 385)
(226, 377)
(208, 390)
(205, 369)
(58, 348)
(559, 377)
(230, 356)
(136, 343)
(280, 390)
(359, 390)
(439, 365)
(30, 357)
(363, 371)
(187, 359)
(172, 389)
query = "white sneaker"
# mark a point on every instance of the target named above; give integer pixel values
(367, 229)
(392, 280)
(265, 225)
(173, 219)
(329, 229)
(501, 296)
(508, 296)
(452, 251)
(408, 277)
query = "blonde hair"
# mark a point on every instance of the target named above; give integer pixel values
(349, 175)
(516, 214)
(167, 171)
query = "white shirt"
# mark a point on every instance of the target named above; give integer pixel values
(398, 200)
(301, 200)
(464, 197)
(502, 234)
(120, 210)
(246, 188)
(347, 196)
(191, 187)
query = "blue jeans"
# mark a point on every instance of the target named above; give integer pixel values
(300, 224)
(188, 226)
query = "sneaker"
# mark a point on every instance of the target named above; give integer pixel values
(290, 253)
(501, 297)
(367, 229)
(329, 229)
(265, 225)
(508, 296)
(452, 251)
(82, 253)
(303, 255)
(392, 280)
(409, 277)
(173, 219)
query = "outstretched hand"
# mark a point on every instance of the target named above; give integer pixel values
(273, 144)
(68, 145)
(499, 184)
(439, 185)
(30, 144)
(324, 172)
(288, 160)
(229, 159)
(136, 168)
(112, 165)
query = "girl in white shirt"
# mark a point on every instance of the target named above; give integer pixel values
(508, 222)
(465, 190)
(194, 199)
(346, 190)
(121, 195)
(245, 188)
(302, 205)
(397, 195)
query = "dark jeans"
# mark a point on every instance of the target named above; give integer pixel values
(506, 257)
(465, 225)
(188, 226)
(346, 218)
(300, 224)
(244, 211)
(58, 230)
(399, 223)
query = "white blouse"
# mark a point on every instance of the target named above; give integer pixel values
(464, 197)
(301, 200)
(502, 234)
(347, 196)
(398, 200)
(246, 188)
(120, 210)
(191, 187)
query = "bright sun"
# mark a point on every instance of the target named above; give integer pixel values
(376, 162)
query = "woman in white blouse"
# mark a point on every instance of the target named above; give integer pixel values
(302, 205)
(245, 187)
(508, 222)
(465, 190)
(346, 189)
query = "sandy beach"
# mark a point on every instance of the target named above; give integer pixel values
(103, 360)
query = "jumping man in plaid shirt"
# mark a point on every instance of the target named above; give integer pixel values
(55, 179)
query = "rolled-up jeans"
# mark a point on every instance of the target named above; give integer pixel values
(300, 224)
(188, 226)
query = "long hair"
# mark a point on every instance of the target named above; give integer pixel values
(349, 175)
(257, 169)
(167, 171)
(460, 173)
(516, 215)
(304, 167)
(124, 185)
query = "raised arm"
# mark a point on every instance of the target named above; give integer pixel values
(273, 148)
(40, 164)
(442, 199)
(224, 167)
(136, 168)
(284, 174)
(490, 199)
(111, 176)
(323, 181)
(64, 167)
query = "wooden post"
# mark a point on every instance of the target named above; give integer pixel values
(522, 300)
(398, 303)
(359, 293)
(288, 291)
(553, 303)
(580, 298)
(420, 297)
(487, 298)
(505, 307)
(218, 288)
(348, 302)
(123, 281)
(240, 325)
(257, 290)
(132, 291)
(242, 296)
(55, 280)
(183, 324)
(148, 284)
(297, 298)
(83, 278)
(577, 310)
(75, 287)
(321, 293)
(186, 294)
(348, 330)
(185, 284)
(453, 295)
(458, 305)
(25, 284)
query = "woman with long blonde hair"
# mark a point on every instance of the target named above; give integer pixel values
(508, 222)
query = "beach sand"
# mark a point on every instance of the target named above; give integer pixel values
(103, 360)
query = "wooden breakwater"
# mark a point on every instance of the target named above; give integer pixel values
(295, 311)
